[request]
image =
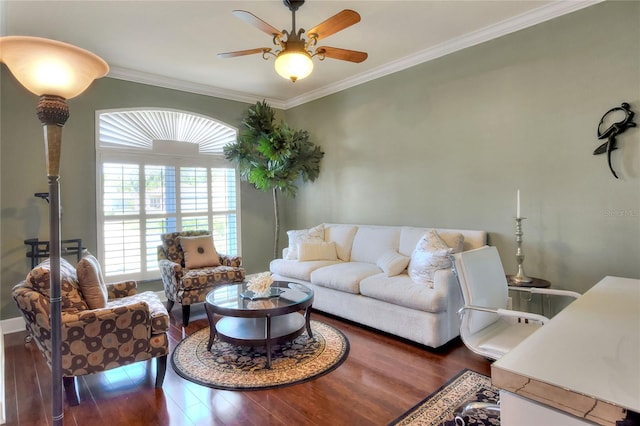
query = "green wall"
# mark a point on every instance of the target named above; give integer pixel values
(447, 143)
(23, 173)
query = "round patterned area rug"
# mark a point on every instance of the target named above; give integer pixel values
(235, 367)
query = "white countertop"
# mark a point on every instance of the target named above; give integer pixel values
(590, 348)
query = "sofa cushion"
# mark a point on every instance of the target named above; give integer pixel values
(343, 236)
(344, 276)
(431, 253)
(72, 300)
(403, 291)
(317, 251)
(372, 242)
(300, 235)
(392, 263)
(409, 237)
(296, 269)
(199, 251)
(91, 282)
(204, 278)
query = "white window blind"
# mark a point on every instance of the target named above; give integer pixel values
(147, 189)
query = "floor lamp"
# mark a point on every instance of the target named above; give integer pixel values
(55, 71)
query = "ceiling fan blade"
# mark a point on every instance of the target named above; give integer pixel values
(337, 22)
(252, 19)
(342, 54)
(244, 52)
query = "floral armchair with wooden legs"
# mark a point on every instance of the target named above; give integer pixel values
(191, 267)
(104, 326)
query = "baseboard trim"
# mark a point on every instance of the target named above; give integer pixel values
(12, 325)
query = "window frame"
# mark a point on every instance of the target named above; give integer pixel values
(157, 157)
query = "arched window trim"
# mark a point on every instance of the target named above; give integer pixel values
(144, 139)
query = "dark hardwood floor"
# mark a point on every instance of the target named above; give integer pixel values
(382, 378)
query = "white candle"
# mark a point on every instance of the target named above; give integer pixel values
(518, 204)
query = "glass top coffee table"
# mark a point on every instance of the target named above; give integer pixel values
(247, 319)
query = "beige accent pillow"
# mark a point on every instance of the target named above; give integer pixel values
(392, 263)
(199, 252)
(342, 235)
(91, 282)
(315, 234)
(431, 253)
(317, 251)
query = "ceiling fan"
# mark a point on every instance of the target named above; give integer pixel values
(293, 53)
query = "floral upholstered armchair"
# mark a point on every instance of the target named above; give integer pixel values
(104, 326)
(190, 267)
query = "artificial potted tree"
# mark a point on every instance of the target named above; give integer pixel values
(273, 156)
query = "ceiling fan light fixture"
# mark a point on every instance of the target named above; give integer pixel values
(294, 64)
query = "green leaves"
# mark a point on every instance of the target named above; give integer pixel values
(273, 155)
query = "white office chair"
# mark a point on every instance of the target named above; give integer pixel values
(488, 327)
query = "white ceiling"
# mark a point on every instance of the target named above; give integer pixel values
(174, 43)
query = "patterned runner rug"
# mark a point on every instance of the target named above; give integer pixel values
(442, 406)
(234, 367)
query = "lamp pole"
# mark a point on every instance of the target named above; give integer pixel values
(53, 112)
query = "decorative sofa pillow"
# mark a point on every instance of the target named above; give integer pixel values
(455, 240)
(342, 235)
(91, 282)
(315, 234)
(431, 253)
(199, 252)
(392, 263)
(39, 279)
(371, 242)
(171, 244)
(308, 250)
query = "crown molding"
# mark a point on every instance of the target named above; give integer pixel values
(511, 25)
(187, 86)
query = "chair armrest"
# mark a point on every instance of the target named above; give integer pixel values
(520, 315)
(168, 267)
(171, 275)
(138, 313)
(100, 339)
(229, 260)
(554, 292)
(121, 289)
(527, 316)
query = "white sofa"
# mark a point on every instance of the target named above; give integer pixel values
(352, 284)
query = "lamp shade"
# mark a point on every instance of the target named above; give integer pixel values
(50, 67)
(294, 64)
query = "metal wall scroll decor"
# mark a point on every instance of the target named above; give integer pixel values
(623, 116)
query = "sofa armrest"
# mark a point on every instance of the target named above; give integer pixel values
(229, 260)
(121, 289)
(445, 280)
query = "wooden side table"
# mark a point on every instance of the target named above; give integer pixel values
(537, 282)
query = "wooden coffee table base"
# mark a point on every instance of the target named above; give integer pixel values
(263, 331)
(245, 323)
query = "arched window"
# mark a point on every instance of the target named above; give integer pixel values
(161, 171)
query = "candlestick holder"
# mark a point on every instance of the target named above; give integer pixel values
(520, 277)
